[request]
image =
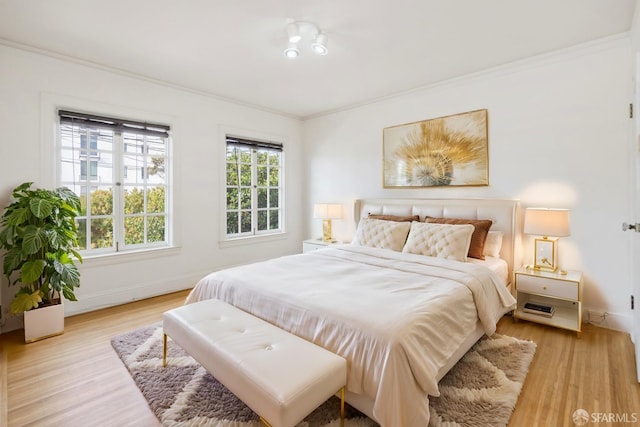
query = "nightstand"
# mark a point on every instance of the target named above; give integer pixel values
(563, 292)
(315, 244)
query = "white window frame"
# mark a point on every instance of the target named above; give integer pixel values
(50, 168)
(117, 181)
(266, 235)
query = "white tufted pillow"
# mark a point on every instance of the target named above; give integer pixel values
(439, 240)
(377, 233)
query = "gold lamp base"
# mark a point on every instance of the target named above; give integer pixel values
(545, 255)
(326, 230)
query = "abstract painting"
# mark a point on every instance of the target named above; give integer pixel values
(446, 151)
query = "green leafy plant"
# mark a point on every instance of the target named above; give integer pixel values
(40, 238)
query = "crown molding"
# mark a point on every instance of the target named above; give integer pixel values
(98, 66)
(560, 55)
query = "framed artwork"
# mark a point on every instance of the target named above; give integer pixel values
(446, 151)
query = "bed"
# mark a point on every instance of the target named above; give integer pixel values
(400, 318)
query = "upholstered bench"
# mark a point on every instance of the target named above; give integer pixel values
(280, 376)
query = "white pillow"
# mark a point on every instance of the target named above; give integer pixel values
(493, 244)
(377, 233)
(450, 241)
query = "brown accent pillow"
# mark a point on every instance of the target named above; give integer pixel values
(395, 218)
(478, 237)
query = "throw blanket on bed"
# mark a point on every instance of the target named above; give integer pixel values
(397, 318)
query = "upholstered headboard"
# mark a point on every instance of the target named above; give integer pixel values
(505, 215)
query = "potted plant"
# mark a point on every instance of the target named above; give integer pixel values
(38, 232)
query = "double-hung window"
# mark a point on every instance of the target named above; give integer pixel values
(253, 187)
(120, 170)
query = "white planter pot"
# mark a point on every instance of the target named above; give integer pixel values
(43, 322)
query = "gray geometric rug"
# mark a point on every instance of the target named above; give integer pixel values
(481, 390)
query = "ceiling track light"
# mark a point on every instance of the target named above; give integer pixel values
(295, 32)
(292, 50)
(319, 45)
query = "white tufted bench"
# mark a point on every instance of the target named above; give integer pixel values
(280, 376)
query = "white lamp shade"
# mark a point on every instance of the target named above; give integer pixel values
(547, 222)
(327, 211)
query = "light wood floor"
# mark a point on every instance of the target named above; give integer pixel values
(76, 379)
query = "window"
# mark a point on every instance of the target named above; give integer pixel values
(119, 169)
(253, 187)
(93, 169)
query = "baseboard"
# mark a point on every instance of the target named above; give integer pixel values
(126, 295)
(606, 319)
(93, 302)
(11, 322)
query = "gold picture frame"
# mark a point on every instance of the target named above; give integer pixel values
(545, 254)
(445, 151)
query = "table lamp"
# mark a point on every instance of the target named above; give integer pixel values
(326, 212)
(549, 224)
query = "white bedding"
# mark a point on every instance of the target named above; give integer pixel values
(397, 318)
(497, 265)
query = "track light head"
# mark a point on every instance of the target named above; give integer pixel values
(293, 31)
(319, 45)
(292, 51)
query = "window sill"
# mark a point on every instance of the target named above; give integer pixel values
(250, 240)
(128, 256)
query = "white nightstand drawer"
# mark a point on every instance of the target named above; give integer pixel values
(308, 247)
(545, 286)
(314, 245)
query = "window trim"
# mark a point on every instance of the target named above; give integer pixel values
(114, 123)
(224, 131)
(117, 131)
(50, 163)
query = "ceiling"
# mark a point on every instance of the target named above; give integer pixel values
(233, 49)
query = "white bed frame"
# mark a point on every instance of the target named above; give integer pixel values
(505, 215)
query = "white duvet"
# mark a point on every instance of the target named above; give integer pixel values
(397, 318)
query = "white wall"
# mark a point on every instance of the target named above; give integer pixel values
(559, 136)
(30, 85)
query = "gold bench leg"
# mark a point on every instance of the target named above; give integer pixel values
(265, 422)
(164, 351)
(342, 407)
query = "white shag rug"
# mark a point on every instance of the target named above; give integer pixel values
(480, 390)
